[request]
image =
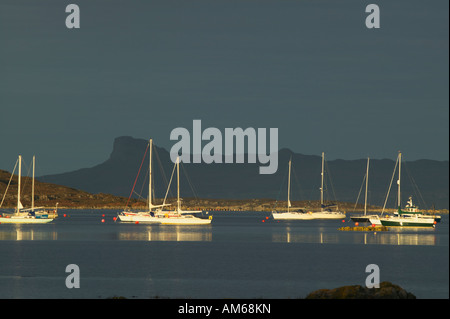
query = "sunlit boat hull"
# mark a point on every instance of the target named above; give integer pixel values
(24, 220)
(307, 216)
(141, 217)
(408, 222)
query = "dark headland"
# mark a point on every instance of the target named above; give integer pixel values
(427, 179)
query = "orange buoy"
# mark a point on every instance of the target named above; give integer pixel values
(343, 220)
(114, 218)
(356, 224)
(267, 217)
(136, 222)
(103, 220)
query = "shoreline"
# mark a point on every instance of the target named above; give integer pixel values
(256, 205)
(51, 195)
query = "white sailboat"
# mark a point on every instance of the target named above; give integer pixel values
(291, 213)
(155, 213)
(300, 214)
(148, 216)
(375, 219)
(326, 213)
(179, 216)
(365, 217)
(33, 215)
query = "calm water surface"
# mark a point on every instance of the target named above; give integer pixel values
(238, 256)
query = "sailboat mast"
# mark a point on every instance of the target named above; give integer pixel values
(321, 186)
(289, 186)
(399, 177)
(178, 183)
(150, 178)
(18, 184)
(32, 186)
(367, 183)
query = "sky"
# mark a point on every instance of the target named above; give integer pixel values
(312, 69)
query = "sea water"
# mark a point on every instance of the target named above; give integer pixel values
(240, 255)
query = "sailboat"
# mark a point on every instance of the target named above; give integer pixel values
(411, 216)
(33, 215)
(155, 213)
(324, 213)
(147, 216)
(291, 213)
(365, 217)
(180, 216)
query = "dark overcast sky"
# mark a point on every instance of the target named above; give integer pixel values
(142, 68)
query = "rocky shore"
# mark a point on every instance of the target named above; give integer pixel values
(387, 290)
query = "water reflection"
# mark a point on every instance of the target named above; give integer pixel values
(403, 239)
(395, 237)
(290, 237)
(21, 232)
(174, 233)
(91, 229)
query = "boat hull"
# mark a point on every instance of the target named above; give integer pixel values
(375, 220)
(288, 216)
(163, 219)
(408, 222)
(24, 220)
(184, 217)
(184, 220)
(307, 216)
(127, 217)
(360, 219)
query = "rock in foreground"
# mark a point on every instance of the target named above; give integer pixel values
(387, 290)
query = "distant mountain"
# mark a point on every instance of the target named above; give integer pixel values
(426, 180)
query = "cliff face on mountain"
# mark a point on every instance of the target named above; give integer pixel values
(425, 180)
